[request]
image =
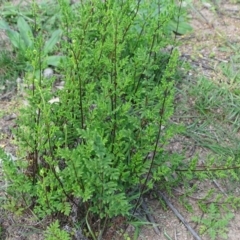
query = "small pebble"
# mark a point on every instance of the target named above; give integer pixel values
(48, 72)
(19, 80)
(207, 5)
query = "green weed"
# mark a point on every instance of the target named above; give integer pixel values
(99, 142)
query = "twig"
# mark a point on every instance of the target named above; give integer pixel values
(201, 199)
(220, 188)
(150, 217)
(217, 185)
(175, 234)
(203, 17)
(179, 216)
(202, 65)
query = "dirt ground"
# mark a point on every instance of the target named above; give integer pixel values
(212, 28)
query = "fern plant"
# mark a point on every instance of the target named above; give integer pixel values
(54, 232)
(99, 143)
(214, 223)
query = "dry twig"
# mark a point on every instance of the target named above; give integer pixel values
(190, 229)
(150, 217)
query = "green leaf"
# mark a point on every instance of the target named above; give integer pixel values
(4, 25)
(54, 232)
(54, 60)
(52, 41)
(25, 32)
(184, 28)
(15, 38)
(181, 28)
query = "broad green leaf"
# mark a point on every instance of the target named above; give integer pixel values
(184, 28)
(181, 28)
(15, 39)
(50, 22)
(3, 25)
(25, 32)
(50, 43)
(54, 60)
(8, 13)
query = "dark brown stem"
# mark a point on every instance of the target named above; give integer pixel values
(204, 168)
(54, 171)
(161, 112)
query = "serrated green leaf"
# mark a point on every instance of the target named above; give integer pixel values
(25, 32)
(50, 43)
